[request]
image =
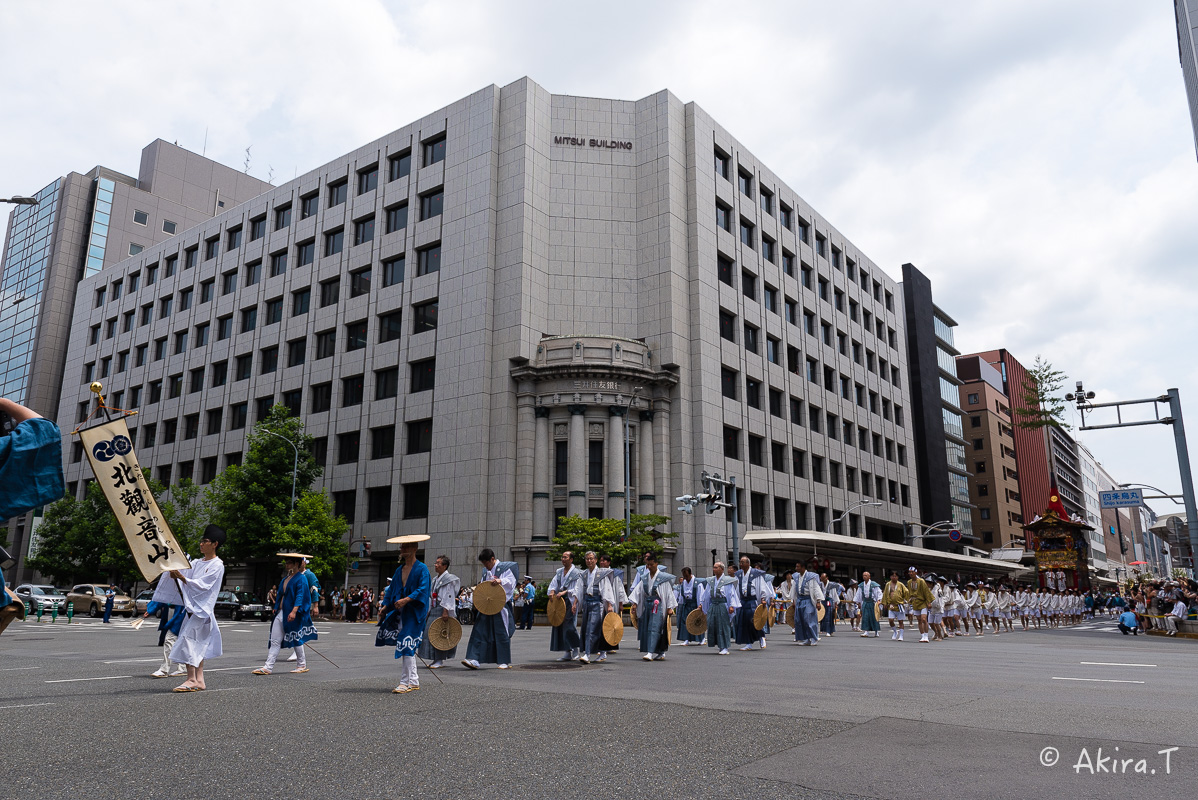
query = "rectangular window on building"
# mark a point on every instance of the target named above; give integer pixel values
(433, 151)
(368, 179)
(399, 165)
(428, 260)
(338, 193)
(309, 204)
(397, 218)
(355, 335)
(724, 270)
(334, 241)
(432, 203)
(322, 397)
(424, 316)
(344, 504)
(249, 319)
(420, 436)
(415, 499)
(269, 361)
(351, 391)
(751, 336)
(191, 426)
(746, 234)
(378, 503)
(364, 230)
(382, 442)
(595, 462)
(729, 379)
(330, 292)
(731, 443)
(253, 273)
(393, 269)
(296, 352)
(796, 411)
(305, 253)
(233, 239)
(282, 217)
(301, 300)
(243, 367)
(273, 311)
(359, 282)
(727, 326)
(778, 456)
(722, 165)
(753, 393)
(211, 249)
(278, 264)
(560, 463)
(386, 383)
(326, 344)
(423, 374)
(348, 446)
(723, 216)
(257, 228)
(748, 284)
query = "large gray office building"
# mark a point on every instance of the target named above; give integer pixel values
(469, 313)
(82, 224)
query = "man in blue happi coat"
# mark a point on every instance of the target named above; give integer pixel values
(291, 625)
(403, 610)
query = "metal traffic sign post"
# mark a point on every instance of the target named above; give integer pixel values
(1171, 400)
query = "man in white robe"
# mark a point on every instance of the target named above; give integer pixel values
(491, 636)
(598, 600)
(195, 589)
(653, 602)
(566, 583)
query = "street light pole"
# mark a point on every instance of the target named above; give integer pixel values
(850, 510)
(628, 469)
(17, 200)
(295, 464)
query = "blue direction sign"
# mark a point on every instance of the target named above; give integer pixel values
(954, 536)
(1122, 498)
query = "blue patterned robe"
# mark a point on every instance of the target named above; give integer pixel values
(408, 635)
(295, 595)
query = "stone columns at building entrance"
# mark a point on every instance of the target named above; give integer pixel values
(576, 469)
(542, 500)
(615, 462)
(646, 500)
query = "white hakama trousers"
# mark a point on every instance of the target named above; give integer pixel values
(167, 646)
(409, 677)
(276, 643)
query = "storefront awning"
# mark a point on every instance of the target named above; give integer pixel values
(785, 548)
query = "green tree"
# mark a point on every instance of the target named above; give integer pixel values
(606, 536)
(1040, 403)
(252, 501)
(186, 513)
(314, 530)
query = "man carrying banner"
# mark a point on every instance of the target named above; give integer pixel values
(195, 589)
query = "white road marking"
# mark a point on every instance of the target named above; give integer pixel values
(76, 680)
(131, 661)
(241, 630)
(229, 689)
(14, 669)
(1114, 664)
(1094, 680)
(30, 705)
(360, 634)
(227, 669)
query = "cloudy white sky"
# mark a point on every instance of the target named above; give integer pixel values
(1033, 157)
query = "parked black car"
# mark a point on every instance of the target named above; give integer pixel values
(239, 605)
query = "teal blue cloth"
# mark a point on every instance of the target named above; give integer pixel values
(409, 633)
(294, 594)
(30, 467)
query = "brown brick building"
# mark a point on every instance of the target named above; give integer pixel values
(990, 455)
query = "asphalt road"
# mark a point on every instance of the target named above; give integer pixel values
(849, 718)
